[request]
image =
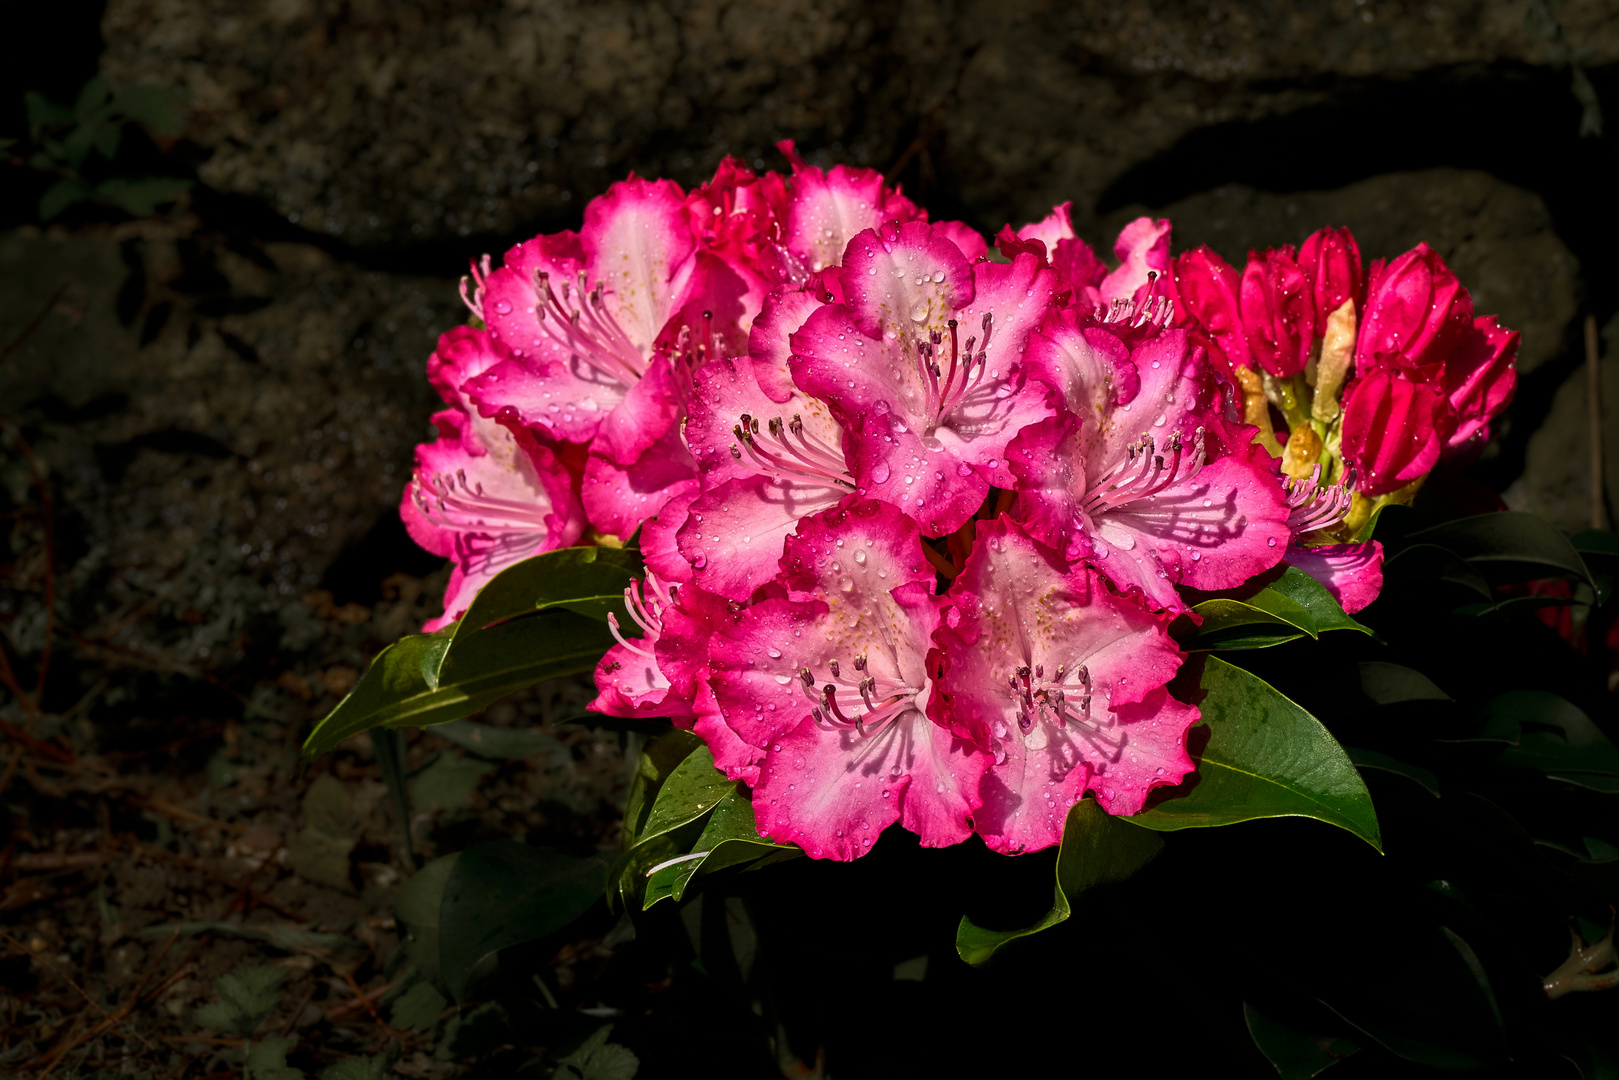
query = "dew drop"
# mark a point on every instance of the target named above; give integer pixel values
(879, 473)
(859, 556)
(919, 311)
(845, 583)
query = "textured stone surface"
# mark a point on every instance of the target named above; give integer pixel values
(1556, 480)
(1498, 239)
(221, 425)
(382, 124)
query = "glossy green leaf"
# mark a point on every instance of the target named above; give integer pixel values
(1291, 606)
(1557, 739)
(1372, 759)
(693, 789)
(1265, 756)
(589, 581)
(504, 893)
(730, 838)
(1510, 544)
(496, 742)
(1097, 849)
(1430, 564)
(394, 693)
(660, 759)
(1297, 1056)
(1391, 684)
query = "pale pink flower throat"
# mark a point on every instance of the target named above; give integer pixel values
(788, 451)
(884, 698)
(577, 319)
(945, 389)
(1145, 471)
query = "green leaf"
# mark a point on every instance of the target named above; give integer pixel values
(504, 893)
(289, 938)
(1297, 1056)
(1265, 757)
(61, 195)
(507, 657)
(1097, 849)
(419, 1007)
(140, 197)
(598, 1059)
(320, 851)
(92, 96)
(1372, 759)
(1391, 684)
(390, 748)
(266, 1059)
(1291, 606)
(1556, 739)
(374, 1067)
(1432, 563)
(587, 580)
(43, 113)
(729, 838)
(449, 781)
(246, 997)
(418, 909)
(158, 107)
(1511, 545)
(693, 789)
(496, 742)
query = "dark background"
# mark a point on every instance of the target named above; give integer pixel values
(221, 399)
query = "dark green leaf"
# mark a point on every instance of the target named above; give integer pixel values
(92, 96)
(390, 748)
(504, 893)
(158, 107)
(77, 144)
(508, 657)
(496, 742)
(449, 781)
(61, 195)
(1297, 1056)
(587, 580)
(661, 757)
(1557, 739)
(43, 114)
(729, 838)
(106, 140)
(417, 1008)
(1371, 759)
(1432, 563)
(1291, 606)
(598, 1059)
(1510, 545)
(1596, 542)
(1482, 978)
(140, 197)
(418, 909)
(288, 938)
(266, 1059)
(1097, 849)
(246, 996)
(1390, 684)
(692, 790)
(1265, 757)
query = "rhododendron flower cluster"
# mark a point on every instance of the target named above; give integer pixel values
(917, 516)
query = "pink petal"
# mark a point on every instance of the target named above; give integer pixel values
(1352, 573)
(636, 240)
(784, 311)
(1044, 458)
(1209, 290)
(725, 391)
(628, 683)
(658, 545)
(733, 534)
(651, 407)
(1331, 260)
(1278, 312)
(829, 208)
(1416, 310)
(567, 400)
(1022, 614)
(906, 281)
(462, 354)
(1480, 378)
(1154, 756)
(968, 239)
(618, 498)
(1052, 229)
(1142, 250)
(855, 553)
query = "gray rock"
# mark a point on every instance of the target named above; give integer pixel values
(382, 124)
(1556, 480)
(1498, 239)
(265, 424)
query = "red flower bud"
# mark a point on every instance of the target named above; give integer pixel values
(1277, 312)
(1330, 258)
(1210, 291)
(1480, 377)
(1393, 429)
(1416, 314)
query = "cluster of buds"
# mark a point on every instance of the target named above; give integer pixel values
(1381, 373)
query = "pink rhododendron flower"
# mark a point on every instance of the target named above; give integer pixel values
(487, 493)
(1152, 485)
(830, 207)
(1352, 573)
(1064, 681)
(1480, 379)
(922, 366)
(629, 681)
(833, 683)
(1278, 312)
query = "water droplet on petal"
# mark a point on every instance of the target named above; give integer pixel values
(879, 472)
